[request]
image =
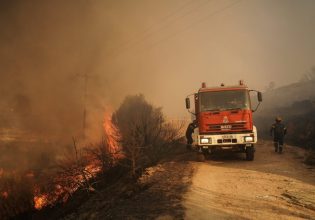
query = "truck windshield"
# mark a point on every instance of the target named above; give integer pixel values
(224, 100)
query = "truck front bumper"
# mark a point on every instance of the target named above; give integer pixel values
(230, 142)
(227, 139)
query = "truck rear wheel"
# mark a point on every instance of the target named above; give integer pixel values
(250, 151)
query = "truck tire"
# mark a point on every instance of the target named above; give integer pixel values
(250, 152)
(200, 157)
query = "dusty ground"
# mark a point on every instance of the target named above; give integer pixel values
(272, 186)
(226, 186)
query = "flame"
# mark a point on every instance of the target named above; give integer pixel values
(111, 132)
(93, 169)
(112, 136)
(40, 201)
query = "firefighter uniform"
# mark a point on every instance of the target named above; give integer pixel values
(189, 131)
(278, 131)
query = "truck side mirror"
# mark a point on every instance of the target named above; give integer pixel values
(187, 103)
(259, 95)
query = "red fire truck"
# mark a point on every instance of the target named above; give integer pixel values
(224, 119)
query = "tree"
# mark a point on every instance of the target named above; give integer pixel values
(143, 132)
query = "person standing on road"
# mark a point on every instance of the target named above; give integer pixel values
(189, 131)
(278, 131)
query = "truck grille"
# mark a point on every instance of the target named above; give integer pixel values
(224, 127)
(220, 141)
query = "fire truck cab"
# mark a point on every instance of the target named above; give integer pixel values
(224, 118)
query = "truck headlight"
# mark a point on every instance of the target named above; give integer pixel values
(249, 139)
(205, 140)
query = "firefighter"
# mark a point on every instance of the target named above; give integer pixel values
(278, 131)
(189, 131)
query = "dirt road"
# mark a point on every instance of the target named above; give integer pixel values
(272, 186)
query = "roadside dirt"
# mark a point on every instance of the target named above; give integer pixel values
(273, 186)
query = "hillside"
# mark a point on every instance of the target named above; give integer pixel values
(295, 103)
(289, 94)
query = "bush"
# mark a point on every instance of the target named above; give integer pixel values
(102, 154)
(145, 136)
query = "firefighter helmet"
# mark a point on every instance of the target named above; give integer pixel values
(278, 119)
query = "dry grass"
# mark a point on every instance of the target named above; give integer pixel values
(16, 194)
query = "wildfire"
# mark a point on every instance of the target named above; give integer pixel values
(40, 201)
(92, 169)
(111, 132)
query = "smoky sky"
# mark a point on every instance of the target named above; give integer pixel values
(163, 49)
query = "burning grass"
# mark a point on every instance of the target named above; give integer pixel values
(16, 193)
(21, 192)
(25, 191)
(143, 140)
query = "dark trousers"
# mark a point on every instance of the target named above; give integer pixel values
(278, 143)
(189, 142)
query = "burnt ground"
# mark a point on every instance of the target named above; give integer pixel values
(160, 194)
(157, 194)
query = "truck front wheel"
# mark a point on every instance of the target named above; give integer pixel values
(201, 157)
(250, 151)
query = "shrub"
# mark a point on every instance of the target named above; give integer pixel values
(145, 136)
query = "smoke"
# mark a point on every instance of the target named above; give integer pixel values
(46, 48)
